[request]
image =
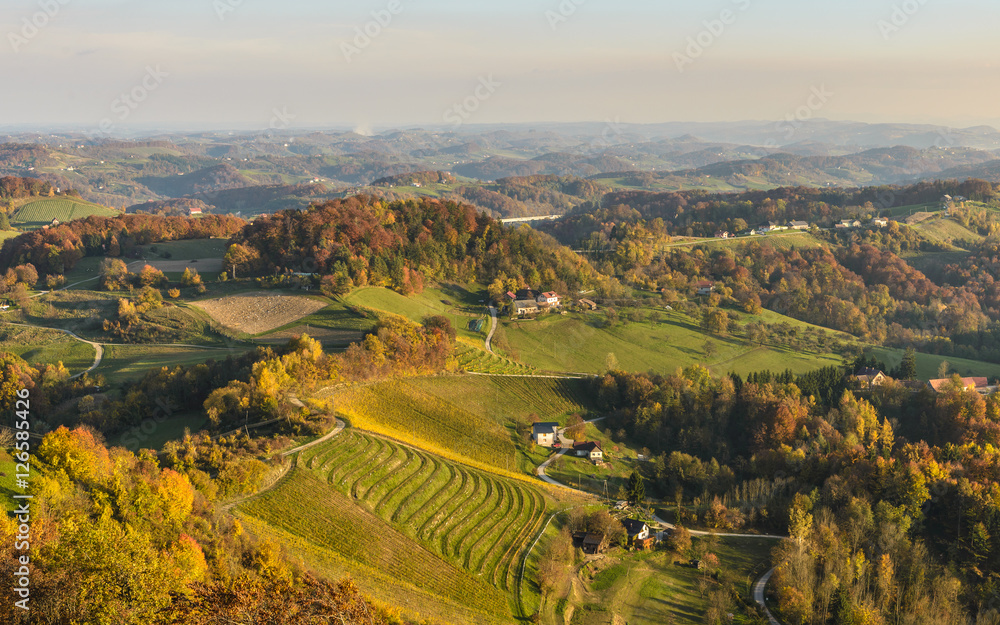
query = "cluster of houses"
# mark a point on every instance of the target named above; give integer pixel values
(847, 224)
(870, 378)
(774, 226)
(546, 434)
(639, 536)
(527, 302)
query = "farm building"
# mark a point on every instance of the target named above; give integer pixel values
(637, 530)
(721, 234)
(589, 450)
(525, 307)
(880, 222)
(586, 303)
(705, 287)
(545, 434)
(194, 211)
(848, 223)
(798, 225)
(594, 543)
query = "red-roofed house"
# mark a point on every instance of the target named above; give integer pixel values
(705, 287)
(549, 299)
(968, 384)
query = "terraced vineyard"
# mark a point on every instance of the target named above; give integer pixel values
(481, 361)
(41, 212)
(390, 506)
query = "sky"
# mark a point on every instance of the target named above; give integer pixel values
(114, 65)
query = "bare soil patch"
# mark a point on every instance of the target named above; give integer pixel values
(254, 313)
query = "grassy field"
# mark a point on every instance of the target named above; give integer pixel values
(474, 419)
(946, 231)
(434, 525)
(337, 325)
(927, 364)
(48, 347)
(41, 212)
(578, 343)
(130, 362)
(781, 241)
(453, 301)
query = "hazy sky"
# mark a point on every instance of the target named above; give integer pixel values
(241, 62)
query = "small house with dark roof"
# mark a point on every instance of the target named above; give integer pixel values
(636, 529)
(594, 543)
(589, 450)
(870, 378)
(525, 307)
(545, 434)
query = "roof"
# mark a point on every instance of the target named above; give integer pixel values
(798, 223)
(526, 303)
(634, 526)
(937, 385)
(588, 446)
(549, 427)
(704, 284)
(593, 539)
(868, 371)
(550, 295)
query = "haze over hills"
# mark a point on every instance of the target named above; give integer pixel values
(253, 173)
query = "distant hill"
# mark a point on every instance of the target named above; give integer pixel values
(215, 178)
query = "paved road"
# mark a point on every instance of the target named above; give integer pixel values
(758, 596)
(493, 329)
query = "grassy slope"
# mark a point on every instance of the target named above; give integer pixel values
(574, 342)
(42, 346)
(130, 362)
(467, 419)
(927, 364)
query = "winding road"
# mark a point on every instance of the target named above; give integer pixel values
(758, 596)
(493, 329)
